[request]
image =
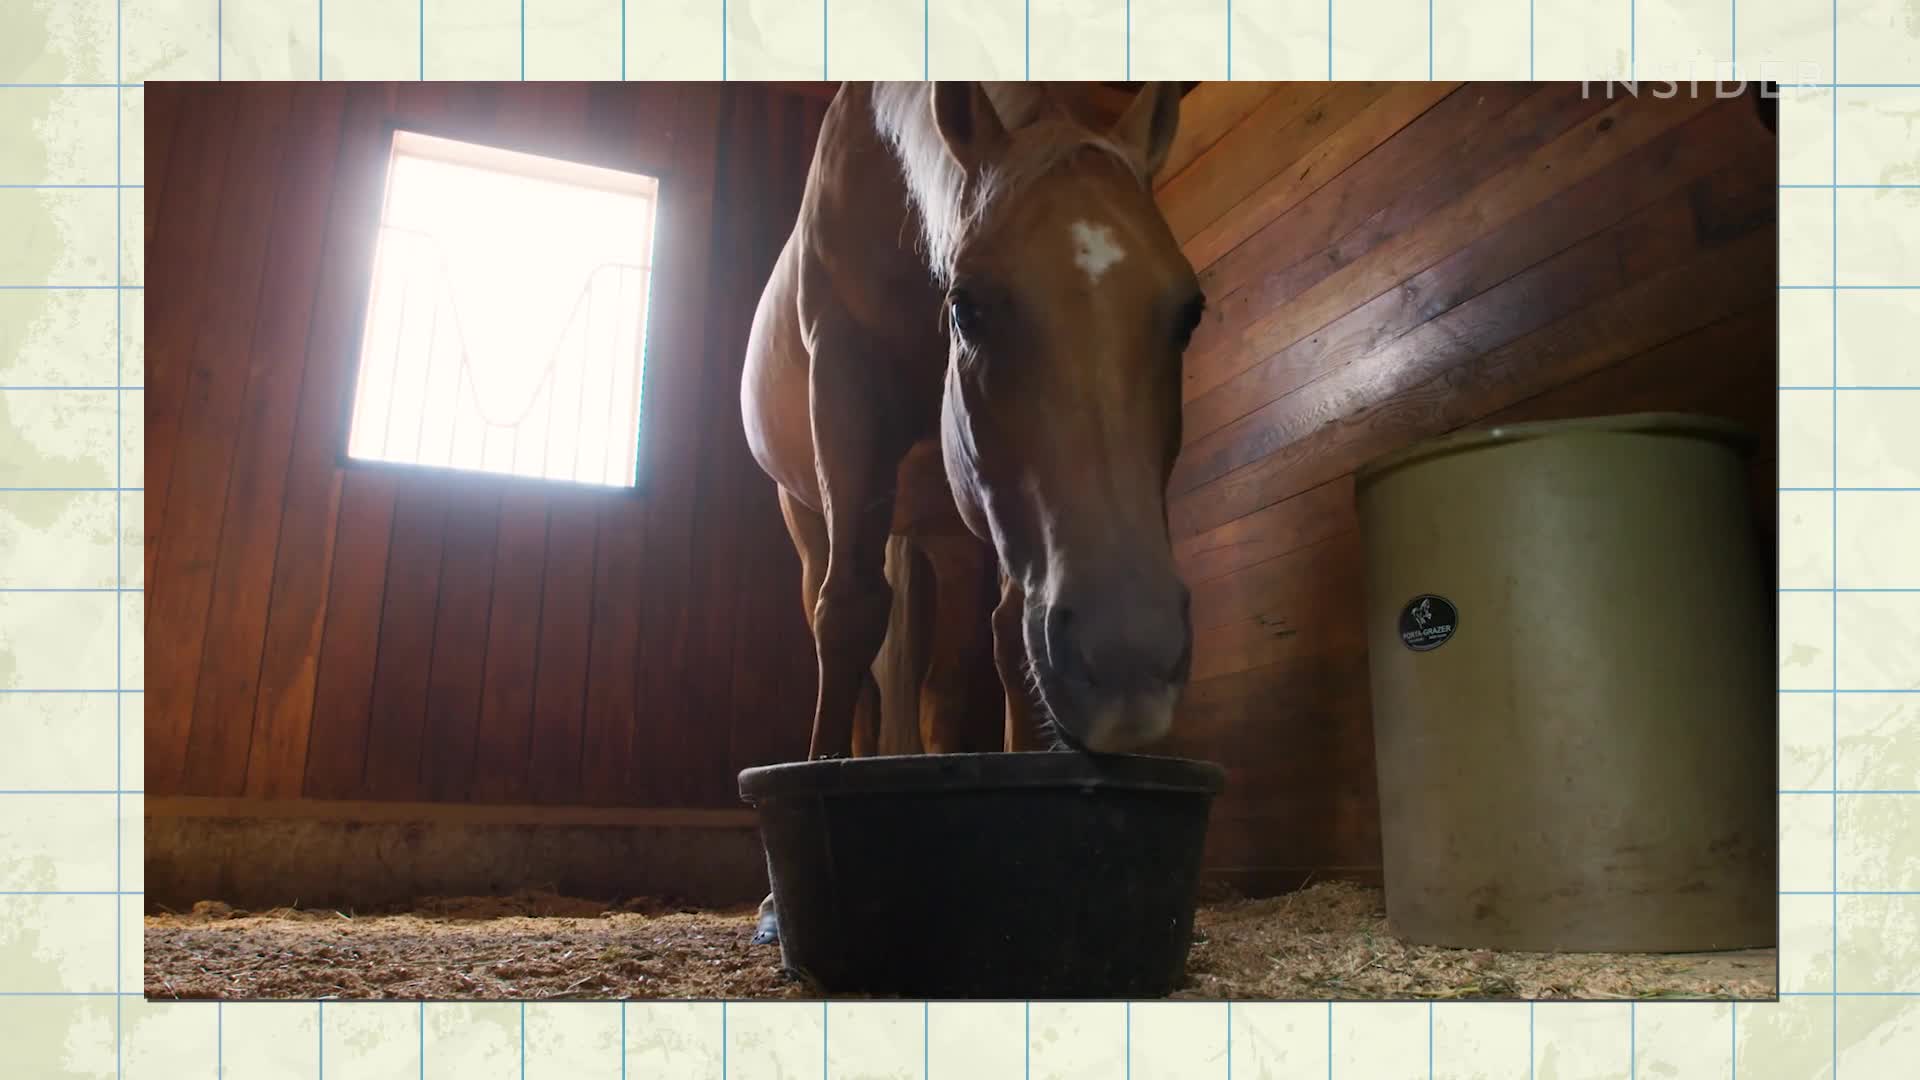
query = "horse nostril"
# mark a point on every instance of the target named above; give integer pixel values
(1064, 646)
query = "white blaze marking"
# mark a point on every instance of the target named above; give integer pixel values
(1095, 249)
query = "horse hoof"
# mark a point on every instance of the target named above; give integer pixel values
(768, 932)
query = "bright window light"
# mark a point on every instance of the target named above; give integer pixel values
(506, 324)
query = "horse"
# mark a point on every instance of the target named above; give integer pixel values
(973, 338)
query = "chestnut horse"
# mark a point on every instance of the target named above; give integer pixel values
(973, 338)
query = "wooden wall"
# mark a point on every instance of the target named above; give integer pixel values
(349, 632)
(1387, 262)
(1384, 262)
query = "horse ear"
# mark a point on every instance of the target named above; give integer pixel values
(1148, 125)
(967, 122)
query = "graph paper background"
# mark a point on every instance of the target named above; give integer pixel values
(71, 450)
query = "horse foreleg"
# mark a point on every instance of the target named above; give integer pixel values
(1010, 657)
(948, 722)
(856, 455)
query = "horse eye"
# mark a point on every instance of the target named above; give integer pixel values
(965, 313)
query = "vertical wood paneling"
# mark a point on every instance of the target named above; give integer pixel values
(221, 753)
(286, 702)
(215, 371)
(330, 630)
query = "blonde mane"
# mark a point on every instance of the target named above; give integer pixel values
(952, 206)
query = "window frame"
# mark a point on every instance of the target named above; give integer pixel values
(571, 148)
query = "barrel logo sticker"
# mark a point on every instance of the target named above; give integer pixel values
(1427, 622)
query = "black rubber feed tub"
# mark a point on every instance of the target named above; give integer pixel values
(1025, 876)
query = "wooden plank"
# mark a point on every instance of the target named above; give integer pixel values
(460, 633)
(614, 653)
(1664, 165)
(161, 106)
(176, 294)
(347, 651)
(1272, 137)
(1561, 163)
(1444, 375)
(1327, 161)
(237, 615)
(1207, 113)
(1305, 603)
(365, 812)
(397, 715)
(303, 563)
(513, 641)
(1658, 236)
(566, 625)
(179, 592)
(666, 727)
(1470, 136)
(1291, 524)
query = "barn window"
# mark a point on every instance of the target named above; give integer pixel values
(506, 322)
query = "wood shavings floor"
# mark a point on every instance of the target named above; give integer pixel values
(1329, 941)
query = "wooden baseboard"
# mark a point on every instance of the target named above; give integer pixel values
(344, 810)
(262, 854)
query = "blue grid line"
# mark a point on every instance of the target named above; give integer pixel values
(823, 39)
(1127, 1035)
(723, 1040)
(423, 1005)
(1733, 37)
(119, 537)
(1229, 40)
(723, 40)
(219, 1040)
(623, 78)
(219, 36)
(1633, 40)
(1026, 1043)
(1329, 79)
(1230, 1041)
(1530, 1040)
(1429, 57)
(1733, 1038)
(1633, 1041)
(523, 49)
(1833, 655)
(823, 1004)
(423, 40)
(623, 1041)
(320, 1035)
(523, 1005)
(926, 39)
(320, 44)
(1429, 1042)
